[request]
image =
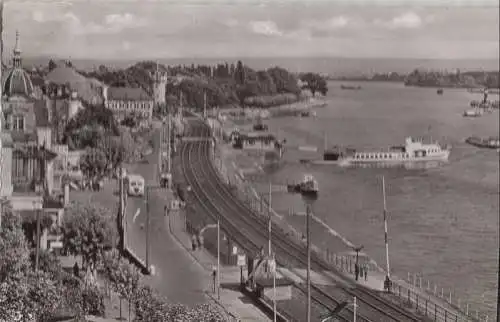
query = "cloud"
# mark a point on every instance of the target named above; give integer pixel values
(111, 24)
(409, 20)
(231, 23)
(330, 24)
(268, 28)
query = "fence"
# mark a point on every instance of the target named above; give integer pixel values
(432, 289)
(411, 295)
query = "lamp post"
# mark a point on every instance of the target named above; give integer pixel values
(37, 206)
(357, 250)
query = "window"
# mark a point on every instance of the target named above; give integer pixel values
(18, 122)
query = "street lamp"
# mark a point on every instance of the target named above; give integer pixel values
(37, 206)
(387, 282)
(218, 253)
(357, 250)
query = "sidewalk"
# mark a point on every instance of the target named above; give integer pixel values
(237, 305)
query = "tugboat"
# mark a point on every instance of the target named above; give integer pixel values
(489, 143)
(309, 186)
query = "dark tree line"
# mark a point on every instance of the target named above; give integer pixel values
(224, 84)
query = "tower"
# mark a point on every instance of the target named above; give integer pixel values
(160, 87)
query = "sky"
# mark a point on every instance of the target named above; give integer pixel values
(128, 29)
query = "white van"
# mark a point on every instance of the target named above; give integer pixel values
(135, 185)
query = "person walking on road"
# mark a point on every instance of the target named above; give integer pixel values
(193, 242)
(366, 272)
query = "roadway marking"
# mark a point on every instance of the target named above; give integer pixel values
(137, 212)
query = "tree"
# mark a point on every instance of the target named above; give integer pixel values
(315, 83)
(83, 299)
(44, 295)
(88, 231)
(239, 73)
(123, 276)
(93, 163)
(22, 293)
(149, 306)
(14, 254)
(14, 266)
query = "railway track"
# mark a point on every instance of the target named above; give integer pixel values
(249, 229)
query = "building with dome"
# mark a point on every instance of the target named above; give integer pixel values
(26, 136)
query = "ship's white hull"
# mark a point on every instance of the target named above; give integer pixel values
(398, 159)
(395, 160)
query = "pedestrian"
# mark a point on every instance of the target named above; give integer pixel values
(200, 241)
(76, 270)
(193, 242)
(356, 271)
(366, 272)
(361, 268)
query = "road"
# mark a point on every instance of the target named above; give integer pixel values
(249, 230)
(177, 276)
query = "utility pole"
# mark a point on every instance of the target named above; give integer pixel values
(355, 305)
(169, 148)
(274, 288)
(269, 209)
(37, 256)
(388, 275)
(498, 286)
(218, 259)
(147, 228)
(308, 233)
(204, 104)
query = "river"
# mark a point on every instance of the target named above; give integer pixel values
(443, 222)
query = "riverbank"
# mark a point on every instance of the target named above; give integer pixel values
(237, 115)
(249, 171)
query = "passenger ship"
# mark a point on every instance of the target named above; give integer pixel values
(414, 150)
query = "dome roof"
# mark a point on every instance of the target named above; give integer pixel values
(18, 82)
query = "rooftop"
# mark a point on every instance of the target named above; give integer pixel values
(86, 88)
(128, 94)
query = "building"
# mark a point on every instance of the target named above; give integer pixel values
(27, 138)
(124, 101)
(160, 87)
(63, 81)
(27, 179)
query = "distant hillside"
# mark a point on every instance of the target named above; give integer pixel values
(335, 66)
(225, 84)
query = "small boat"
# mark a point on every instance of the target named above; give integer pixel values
(475, 112)
(489, 143)
(307, 113)
(309, 186)
(350, 87)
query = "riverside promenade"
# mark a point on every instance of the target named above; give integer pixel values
(413, 297)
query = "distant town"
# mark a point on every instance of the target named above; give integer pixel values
(431, 78)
